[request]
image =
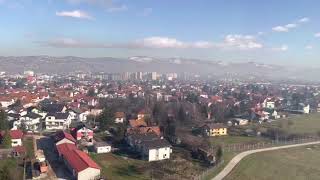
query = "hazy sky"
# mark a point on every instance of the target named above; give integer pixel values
(272, 31)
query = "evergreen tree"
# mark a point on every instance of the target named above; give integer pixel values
(6, 140)
(106, 119)
(4, 124)
(219, 154)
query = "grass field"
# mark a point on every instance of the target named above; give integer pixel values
(10, 169)
(300, 124)
(28, 143)
(116, 167)
(291, 164)
(228, 140)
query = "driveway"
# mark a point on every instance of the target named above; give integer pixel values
(57, 165)
(242, 155)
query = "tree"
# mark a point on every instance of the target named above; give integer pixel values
(6, 141)
(5, 172)
(106, 119)
(4, 124)
(91, 92)
(219, 154)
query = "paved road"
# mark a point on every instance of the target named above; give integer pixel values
(240, 156)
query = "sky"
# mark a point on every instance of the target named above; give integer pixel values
(267, 31)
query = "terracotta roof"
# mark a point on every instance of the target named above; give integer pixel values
(143, 130)
(19, 149)
(119, 115)
(61, 135)
(64, 148)
(137, 123)
(16, 134)
(79, 160)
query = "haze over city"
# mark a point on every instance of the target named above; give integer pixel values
(276, 32)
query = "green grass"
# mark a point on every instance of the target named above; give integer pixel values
(301, 124)
(227, 156)
(10, 167)
(28, 144)
(118, 168)
(291, 164)
(228, 140)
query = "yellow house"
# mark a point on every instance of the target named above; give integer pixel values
(215, 129)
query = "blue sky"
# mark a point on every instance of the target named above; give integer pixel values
(270, 31)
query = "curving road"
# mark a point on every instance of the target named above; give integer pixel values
(240, 156)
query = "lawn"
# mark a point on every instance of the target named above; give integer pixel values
(179, 166)
(10, 168)
(227, 156)
(290, 164)
(118, 167)
(228, 140)
(300, 124)
(28, 144)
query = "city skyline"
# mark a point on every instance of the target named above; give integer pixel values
(273, 32)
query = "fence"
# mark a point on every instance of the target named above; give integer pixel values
(266, 144)
(260, 145)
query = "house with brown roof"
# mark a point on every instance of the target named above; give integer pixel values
(134, 123)
(119, 117)
(16, 137)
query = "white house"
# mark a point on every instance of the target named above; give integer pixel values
(151, 146)
(31, 121)
(81, 165)
(119, 117)
(102, 147)
(16, 137)
(54, 121)
(157, 151)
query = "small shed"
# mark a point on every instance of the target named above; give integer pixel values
(102, 147)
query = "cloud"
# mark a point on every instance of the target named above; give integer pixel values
(74, 14)
(317, 35)
(149, 42)
(242, 42)
(282, 48)
(303, 20)
(309, 47)
(234, 42)
(291, 26)
(286, 28)
(280, 29)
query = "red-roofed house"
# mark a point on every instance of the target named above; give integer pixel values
(64, 148)
(81, 165)
(62, 137)
(16, 137)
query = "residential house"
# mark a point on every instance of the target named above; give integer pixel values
(214, 129)
(16, 137)
(133, 123)
(62, 137)
(102, 147)
(150, 146)
(31, 121)
(82, 132)
(81, 165)
(57, 121)
(119, 117)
